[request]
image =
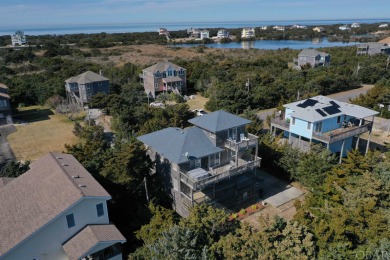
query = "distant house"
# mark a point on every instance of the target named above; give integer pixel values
(194, 33)
(344, 27)
(322, 120)
(5, 106)
(313, 57)
(212, 162)
(18, 38)
(223, 33)
(204, 34)
(164, 76)
(355, 25)
(383, 25)
(163, 31)
(319, 29)
(56, 210)
(298, 26)
(83, 87)
(279, 28)
(263, 27)
(372, 48)
(248, 32)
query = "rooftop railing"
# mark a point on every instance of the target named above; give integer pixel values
(217, 177)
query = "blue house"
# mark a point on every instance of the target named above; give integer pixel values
(212, 162)
(337, 125)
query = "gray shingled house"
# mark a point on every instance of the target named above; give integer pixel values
(372, 48)
(5, 107)
(83, 87)
(313, 57)
(213, 161)
(164, 77)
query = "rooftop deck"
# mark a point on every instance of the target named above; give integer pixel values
(221, 173)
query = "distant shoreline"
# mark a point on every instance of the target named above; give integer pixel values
(153, 27)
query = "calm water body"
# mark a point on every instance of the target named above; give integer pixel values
(273, 44)
(153, 27)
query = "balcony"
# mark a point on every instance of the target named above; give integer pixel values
(281, 123)
(244, 143)
(218, 174)
(342, 133)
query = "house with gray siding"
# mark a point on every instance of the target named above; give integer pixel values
(214, 161)
(312, 57)
(164, 77)
(321, 120)
(372, 48)
(83, 87)
(5, 106)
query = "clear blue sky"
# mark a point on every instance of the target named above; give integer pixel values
(60, 12)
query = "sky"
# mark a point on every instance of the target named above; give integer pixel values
(17, 13)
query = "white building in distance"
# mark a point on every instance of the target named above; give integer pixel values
(18, 38)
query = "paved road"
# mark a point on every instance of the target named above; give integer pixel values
(341, 96)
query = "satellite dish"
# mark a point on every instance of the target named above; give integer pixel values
(186, 154)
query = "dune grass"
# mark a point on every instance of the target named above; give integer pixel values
(43, 132)
(198, 102)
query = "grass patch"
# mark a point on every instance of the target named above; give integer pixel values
(46, 132)
(198, 102)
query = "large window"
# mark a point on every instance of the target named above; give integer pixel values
(214, 160)
(195, 163)
(232, 133)
(318, 127)
(100, 209)
(70, 220)
(3, 103)
(338, 119)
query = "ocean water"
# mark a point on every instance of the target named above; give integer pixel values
(153, 27)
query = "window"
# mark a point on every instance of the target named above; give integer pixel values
(170, 73)
(164, 75)
(195, 164)
(181, 72)
(3, 103)
(155, 85)
(100, 83)
(318, 127)
(293, 121)
(308, 125)
(338, 119)
(70, 220)
(232, 133)
(100, 209)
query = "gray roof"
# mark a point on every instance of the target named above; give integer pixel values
(4, 181)
(219, 121)
(162, 66)
(35, 198)
(91, 236)
(312, 53)
(86, 77)
(320, 107)
(174, 143)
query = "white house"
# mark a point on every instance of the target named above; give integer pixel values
(278, 28)
(56, 210)
(204, 34)
(263, 27)
(248, 32)
(18, 38)
(383, 25)
(223, 33)
(343, 27)
(355, 25)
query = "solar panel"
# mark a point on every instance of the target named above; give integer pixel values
(319, 111)
(331, 110)
(308, 103)
(334, 104)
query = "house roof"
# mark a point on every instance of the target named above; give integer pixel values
(172, 79)
(386, 40)
(54, 183)
(320, 107)
(312, 53)
(162, 66)
(178, 145)
(4, 95)
(86, 77)
(3, 86)
(4, 181)
(219, 121)
(89, 237)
